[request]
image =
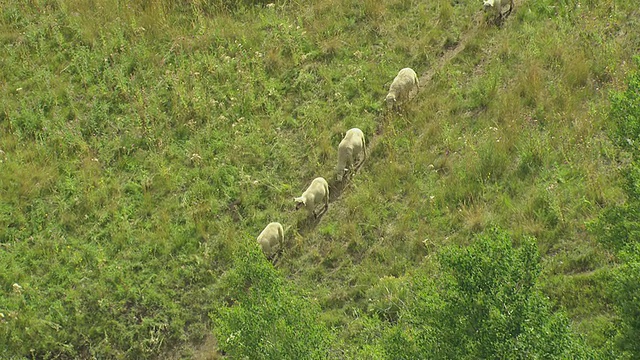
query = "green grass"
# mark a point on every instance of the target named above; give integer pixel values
(143, 143)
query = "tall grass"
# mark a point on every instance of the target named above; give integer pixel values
(144, 142)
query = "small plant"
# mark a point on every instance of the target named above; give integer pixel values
(262, 317)
(618, 226)
(626, 293)
(486, 303)
(387, 298)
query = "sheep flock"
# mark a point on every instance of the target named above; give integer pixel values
(403, 88)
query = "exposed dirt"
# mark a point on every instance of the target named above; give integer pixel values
(337, 188)
(208, 349)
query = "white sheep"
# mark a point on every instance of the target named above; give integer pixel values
(314, 195)
(495, 7)
(270, 239)
(349, 150)
(401, 87)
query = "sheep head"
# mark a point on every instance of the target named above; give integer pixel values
(300, 202)
(488, 4)
(391, 100)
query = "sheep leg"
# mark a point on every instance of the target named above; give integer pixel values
(316, 215)
(350, 166)
(510, 8)
(364, 150)
(326, 199)
(362, 158)
(357, 165)
(276, 257)
(498, 20)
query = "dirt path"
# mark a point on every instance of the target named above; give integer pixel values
(208, 349)
(337, 188)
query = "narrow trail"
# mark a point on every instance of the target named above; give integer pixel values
(337, 188)
(208, 349)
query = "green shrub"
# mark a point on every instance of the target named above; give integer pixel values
(262, 317)
(625, 115)
(618, 226)
(626, 293)
(487, 305)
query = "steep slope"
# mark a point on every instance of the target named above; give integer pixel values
(143, 144)
(508, 133)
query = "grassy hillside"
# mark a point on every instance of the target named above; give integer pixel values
(145, 144)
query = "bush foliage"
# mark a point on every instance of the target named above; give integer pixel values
(618, 227)
(486, 304)
(262, 317)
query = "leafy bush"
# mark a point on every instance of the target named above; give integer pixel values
(626, 292)
(625, 114)
(618, 226)
(262, 317)
(485, 306)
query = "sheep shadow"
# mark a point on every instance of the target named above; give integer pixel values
(336, 188)
(309, 223)
(275, 258)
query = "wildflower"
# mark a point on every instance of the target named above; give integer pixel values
(17, 288)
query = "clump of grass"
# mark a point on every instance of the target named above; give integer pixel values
(531, 84)
(530, 158)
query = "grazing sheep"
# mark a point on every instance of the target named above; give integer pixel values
(401, 87)
(314, 195)
(348, 151)
(270, 239)
(494, 7)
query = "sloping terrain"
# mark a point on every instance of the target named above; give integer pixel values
(146, 144)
